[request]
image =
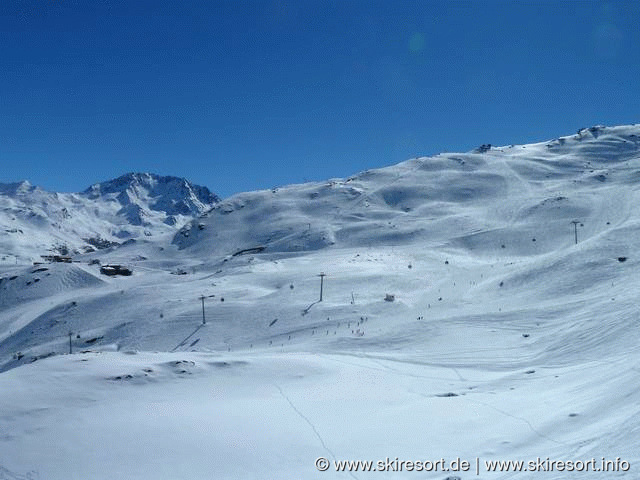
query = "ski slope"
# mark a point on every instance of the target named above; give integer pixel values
(505, 339)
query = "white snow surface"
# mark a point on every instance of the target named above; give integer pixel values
(505, 339)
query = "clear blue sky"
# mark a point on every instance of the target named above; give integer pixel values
(243, 95)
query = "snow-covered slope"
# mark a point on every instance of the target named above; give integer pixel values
(34, 222)
(459, 318)
(475, 201)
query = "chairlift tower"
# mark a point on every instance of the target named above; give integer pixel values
(575, 230)
(322, 275)
(204, 320)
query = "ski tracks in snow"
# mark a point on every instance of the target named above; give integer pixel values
(313, 427)
(6, 474)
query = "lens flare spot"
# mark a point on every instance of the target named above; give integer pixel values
(416, 43)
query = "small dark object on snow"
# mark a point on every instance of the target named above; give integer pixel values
(249, 250)
(113, 270)
(56, 258)
(273, 322)
(525, 335)
(622, 259)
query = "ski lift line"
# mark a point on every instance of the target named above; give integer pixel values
(183, 342)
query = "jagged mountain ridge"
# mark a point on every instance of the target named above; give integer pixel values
(34, 221)
(172, 195)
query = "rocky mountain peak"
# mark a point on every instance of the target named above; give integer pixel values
(172, 195)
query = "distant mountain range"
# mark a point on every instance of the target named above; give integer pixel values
(36, 222)
(427, 200)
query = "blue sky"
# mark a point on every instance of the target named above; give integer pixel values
(243, 95)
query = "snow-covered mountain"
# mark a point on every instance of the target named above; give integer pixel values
(493, 201)
(477, 306)
(34, 222)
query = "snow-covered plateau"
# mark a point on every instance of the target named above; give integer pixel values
(476, 306)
